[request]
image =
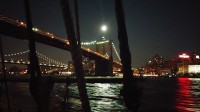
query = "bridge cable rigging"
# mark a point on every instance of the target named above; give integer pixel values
(102, 42)
(40, 55)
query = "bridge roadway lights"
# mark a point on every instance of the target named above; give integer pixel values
(103, 67)
(15, 30)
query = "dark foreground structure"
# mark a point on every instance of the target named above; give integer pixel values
(41, 87)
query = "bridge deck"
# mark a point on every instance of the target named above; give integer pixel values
(63, 79)
(14, 29)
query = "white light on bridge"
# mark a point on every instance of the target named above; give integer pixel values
(35, 29)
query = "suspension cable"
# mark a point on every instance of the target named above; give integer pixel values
(39, 55)
(116, 51)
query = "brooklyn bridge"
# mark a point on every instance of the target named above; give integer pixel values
(99, 52)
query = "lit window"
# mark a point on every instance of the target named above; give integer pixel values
(197, 56)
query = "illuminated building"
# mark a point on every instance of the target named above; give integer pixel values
(157, 60)
(155, 65)
(195, 58)
(184, 62)
(170, 66)
(189, 63)
(193, 68)
(88, 66)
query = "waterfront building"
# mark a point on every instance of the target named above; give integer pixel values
(154, 65)
(88, 66)
(170, 66)
(194, 69)
(189, 63)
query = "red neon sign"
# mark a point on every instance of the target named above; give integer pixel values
(184, 55)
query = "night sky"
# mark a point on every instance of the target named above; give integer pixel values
(165, 27)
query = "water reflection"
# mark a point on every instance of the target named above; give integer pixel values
(159, 95)
(187, 95)
(104, 97)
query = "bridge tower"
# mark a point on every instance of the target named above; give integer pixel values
(104, 67)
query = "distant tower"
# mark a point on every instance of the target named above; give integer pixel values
(157, 60)
(156, 64)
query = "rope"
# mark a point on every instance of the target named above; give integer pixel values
(4, 74)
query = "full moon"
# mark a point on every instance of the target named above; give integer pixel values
(104, 28)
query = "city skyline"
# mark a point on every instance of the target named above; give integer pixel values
(167, 28)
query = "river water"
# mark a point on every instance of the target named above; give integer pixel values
(158, 95)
